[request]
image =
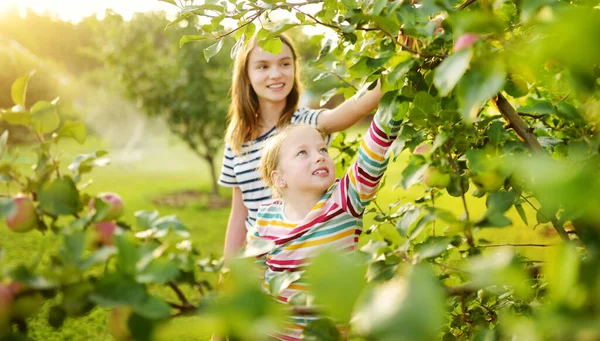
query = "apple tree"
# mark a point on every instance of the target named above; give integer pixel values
(500, 104)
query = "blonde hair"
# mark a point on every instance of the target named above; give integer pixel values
(244, 108)
(269, 160)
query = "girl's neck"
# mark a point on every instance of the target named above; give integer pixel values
(298, 205)
(270, 113)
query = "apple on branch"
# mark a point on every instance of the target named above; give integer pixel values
(114, 201)
(105, 231)
(465, 41)
(118, 323)
(433, 177)
(24, 217)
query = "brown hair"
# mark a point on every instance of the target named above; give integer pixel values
(244, 109)
(269, 160)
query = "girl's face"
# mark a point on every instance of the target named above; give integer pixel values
(271, 76)
(304, 163)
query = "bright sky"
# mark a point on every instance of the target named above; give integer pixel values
(75, 10)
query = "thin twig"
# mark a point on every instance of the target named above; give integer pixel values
(179, 293)
(511, 244)
(465, 4)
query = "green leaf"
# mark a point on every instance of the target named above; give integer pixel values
(478, 85)
(146, 219)
(522, 213)
(394, 310)
(158, 271)
(153, 308)
(7, 207)
(23, 275)
(116, 289)
(391, 107)
(60, 197)
(170, 222)
(212, 50)
(563, 271)
(321, 330)
(84, 163)
(449, 72)
(74, 129)
(45, 117)
(412, 174)
(99, 257)
(271, 45)
(500, 201)
(169, 2)
(191, 37)
(128, 255)
(21, 118)
(257, 247)
(336, 291)
(407, 220)
(351, 4)
(400, 70)
(19, 89)
(539, 107)
(378, 6)
(432, 247)
(424, 105)
(281, 281)
(72, 249)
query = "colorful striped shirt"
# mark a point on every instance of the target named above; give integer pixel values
(334, 222)
(242, 170)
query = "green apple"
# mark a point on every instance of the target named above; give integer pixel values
(434, 178)
(28, 305)
(489, 181)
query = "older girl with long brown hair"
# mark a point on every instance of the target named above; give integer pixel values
(264, 99)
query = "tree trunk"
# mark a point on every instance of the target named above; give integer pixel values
(213, 174)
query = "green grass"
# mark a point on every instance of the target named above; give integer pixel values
(172, 169)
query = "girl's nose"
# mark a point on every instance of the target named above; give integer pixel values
(275, 73)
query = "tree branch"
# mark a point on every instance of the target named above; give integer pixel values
(517, 123)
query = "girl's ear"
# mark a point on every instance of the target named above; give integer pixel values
(277, 179)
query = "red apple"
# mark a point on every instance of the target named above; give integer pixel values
(422, 149)
(6, 301)
(24, 218)
(465, 41)
(112, 199)
(105, 231)
(117, 323)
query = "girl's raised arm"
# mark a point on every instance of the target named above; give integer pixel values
(360, 184)
(350, 112)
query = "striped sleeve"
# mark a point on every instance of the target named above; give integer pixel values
(360, 183)
(306, 116)
(310, 117)
(228, 177)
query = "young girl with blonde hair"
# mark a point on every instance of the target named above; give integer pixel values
(264, 99)
(314, 212)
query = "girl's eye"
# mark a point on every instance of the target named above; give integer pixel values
(324, 150)
(286, 64)
(302, 152)
(261, 67)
